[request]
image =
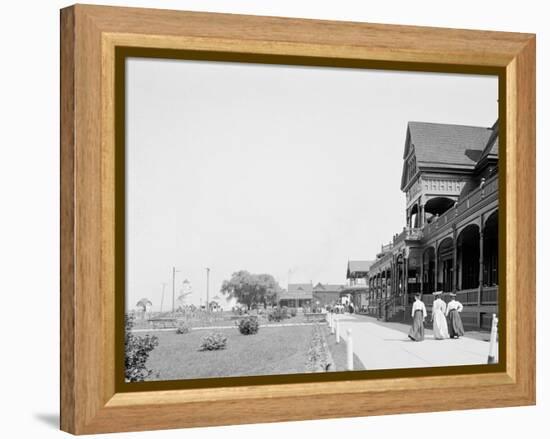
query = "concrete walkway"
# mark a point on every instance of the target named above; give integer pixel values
(382, 347)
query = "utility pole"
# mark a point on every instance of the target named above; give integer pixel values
(174, 271)
(162, 298)
(207, 289)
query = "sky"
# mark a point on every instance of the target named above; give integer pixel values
(285, 170)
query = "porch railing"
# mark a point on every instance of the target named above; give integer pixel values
(490, 187)
(489, 296)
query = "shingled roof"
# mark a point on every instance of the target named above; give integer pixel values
(358, 267)
(491, 149)
(439, 145)
(327, 288)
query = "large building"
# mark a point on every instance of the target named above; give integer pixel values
(450, 239)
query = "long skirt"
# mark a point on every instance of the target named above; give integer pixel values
(440, 326)
(455, 324)
(416, 332)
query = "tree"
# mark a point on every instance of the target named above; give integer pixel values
(144, 304)
(251, 289)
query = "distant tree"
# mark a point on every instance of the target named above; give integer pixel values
(250, 289)
(143, 304)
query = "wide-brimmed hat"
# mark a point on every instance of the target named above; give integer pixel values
(437, 293)
(452, 294)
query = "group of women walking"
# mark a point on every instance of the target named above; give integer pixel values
(440, 312)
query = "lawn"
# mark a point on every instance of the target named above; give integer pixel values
(273, 350)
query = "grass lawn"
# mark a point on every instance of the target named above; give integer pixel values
(273, 350)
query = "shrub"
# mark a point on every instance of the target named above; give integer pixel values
(137, 350)
(249, 326)
(278, 314)
(182, 327)
(213, 342)
(293, 312)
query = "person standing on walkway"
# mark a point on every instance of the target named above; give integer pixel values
(419, 314)
(438, 317)
(454, 307)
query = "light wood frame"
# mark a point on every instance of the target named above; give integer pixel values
(89, 36)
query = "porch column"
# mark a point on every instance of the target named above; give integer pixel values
(455, 277)
(406, 280)
(436, 273)
(421, 274)
(480, 261)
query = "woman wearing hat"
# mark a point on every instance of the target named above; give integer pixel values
(438, 317)
(454, 307)
(419, 315)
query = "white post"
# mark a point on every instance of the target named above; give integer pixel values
(337, 330)
(349, 351)
(332, 323)
(493, 341)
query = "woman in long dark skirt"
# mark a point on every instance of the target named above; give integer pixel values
(454, 307)
(418, 313)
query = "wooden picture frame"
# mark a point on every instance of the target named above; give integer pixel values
(90, 37)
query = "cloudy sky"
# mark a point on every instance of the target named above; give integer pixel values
(272, 169)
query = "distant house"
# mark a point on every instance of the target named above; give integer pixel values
(357, 287)
(326, 294)
(297, 295)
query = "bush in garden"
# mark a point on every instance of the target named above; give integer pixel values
(249, 326)
(182, 328)
(278, 314)
(137, 350)
(293, 312)
(213, 342)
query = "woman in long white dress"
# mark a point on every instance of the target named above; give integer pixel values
(440, 329)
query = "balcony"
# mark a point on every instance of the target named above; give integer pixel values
(490, 188)
(355, 285)
(408, 234)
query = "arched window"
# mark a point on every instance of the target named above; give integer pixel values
(438, 206)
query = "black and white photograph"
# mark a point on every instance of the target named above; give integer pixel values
(293, 219)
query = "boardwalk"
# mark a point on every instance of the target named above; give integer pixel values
(386, 346)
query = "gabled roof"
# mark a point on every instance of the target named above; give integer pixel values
(358, 267)
(491, 149)
(327, 288)
(297, 291)
(438, 145)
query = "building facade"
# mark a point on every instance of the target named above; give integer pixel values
(357, 287)
(297, 296)
(326, 294)
(450, 239)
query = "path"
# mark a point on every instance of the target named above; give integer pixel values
(382, 347)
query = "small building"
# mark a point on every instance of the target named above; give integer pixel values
(297, 295)
(357, 287)
(326, 294)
